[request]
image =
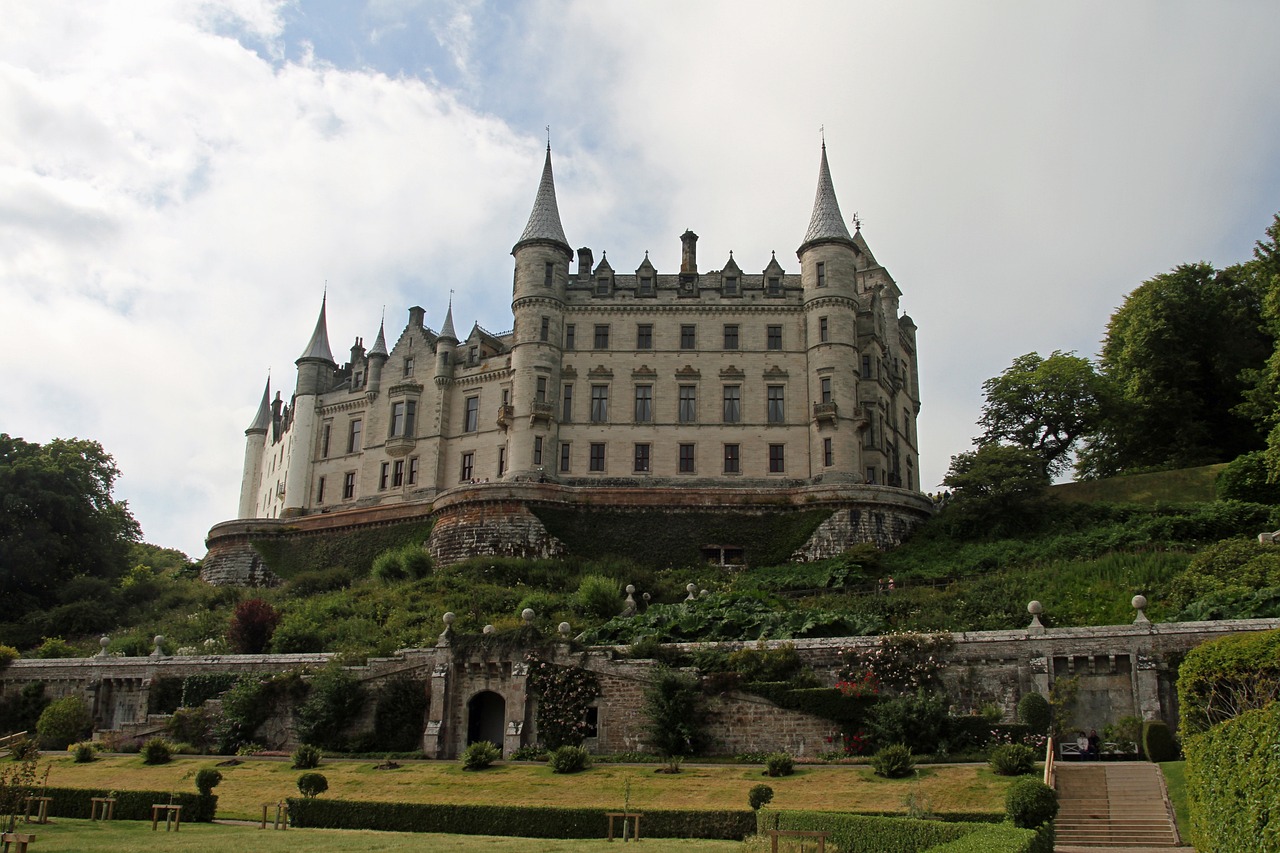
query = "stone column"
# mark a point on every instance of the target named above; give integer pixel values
(514, 735)
(435, 738)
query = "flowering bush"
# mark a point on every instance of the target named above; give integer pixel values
(564, 693)
(901, 661)
(860, 684)
(847, 745)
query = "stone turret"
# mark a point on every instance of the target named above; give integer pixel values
(377, 358)
(255, 443)
(315, 374)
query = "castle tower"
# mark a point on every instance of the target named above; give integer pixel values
(542, 273)
(442, 375)
(828, 274)
(377, 358)
(315, 374)
(255, 443)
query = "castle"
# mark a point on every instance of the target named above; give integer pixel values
(718, 387)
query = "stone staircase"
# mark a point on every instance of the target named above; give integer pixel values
(1113, 805)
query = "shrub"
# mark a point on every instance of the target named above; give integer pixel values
(480, 755)
(1034, 713)
(569, 759)
(1158, 744)
(252, 624)
(312, 784)
(193, 726)
(64, 722)
(758, 796)
(207, 779)
(1125, 733)
(779, 764)
(917, 720)
(24, 749)
(1232, 786)
(893, 761)
(83, 752)
(1246, 479)
(532, 752)
(54, 647)
(598, 596)
(335, 699)
(1221, 678)
(676, 715)
(397, 564)
(156, 751)
(1013, 759)
(398, 715)
(306, 757)
(1030, 803)
(8, 654)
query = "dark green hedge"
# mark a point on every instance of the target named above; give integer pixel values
(353, 550)
(826, 702)
(853, 833)
(164, 696)
(130, 805)
(1232, 783)
(530, 822)
(1002, 838)
(197, 688)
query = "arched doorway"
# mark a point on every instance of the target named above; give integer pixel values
(486, 718)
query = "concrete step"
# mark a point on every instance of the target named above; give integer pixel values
(1113, 806)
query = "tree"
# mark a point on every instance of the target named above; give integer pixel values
(252, 624)
(1045, 405)
(1177, 352)
(676, 716)
(58, 519)
(999, 490)
(1262, 401)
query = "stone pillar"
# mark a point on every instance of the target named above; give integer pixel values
(435, 738)
(517, 699)
(1146, 687)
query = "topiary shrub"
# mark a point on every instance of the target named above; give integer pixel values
(893, 761)
(1013, 759)
(758, 796)
(312, 784)
(83, 752)
(156, 751)
(306, 757)
(569, 759)
(779, 764)
(480, 755)
(207, 779)
(64, 722)
(1030, 803)
(1035, 713)
(1157, 742)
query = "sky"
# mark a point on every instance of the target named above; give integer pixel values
(180, 181)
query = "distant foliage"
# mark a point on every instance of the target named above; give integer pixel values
(675, 715)
(8, 654)
(407, 562)
(598, 596)
(1226, 579)
(779, 764)
(398, 717)
(901, 661)
(333, 702)
(192, 726)
(306, 757)
(83, 752)
(252, 625)
(1246, 479)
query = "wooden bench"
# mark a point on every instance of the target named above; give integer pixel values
(42, 810)
(102, 808)
(775, 834)
(20, 841)
(282, 815)
(624, 816)
(172, 814)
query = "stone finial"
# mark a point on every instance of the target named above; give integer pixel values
(1139, 603)
(103, 643)
(692, 589)
(446, 636)
(629, 609)
(646, 597)
(564, 630)
(156, 652)
(488, 629)
(1035, 608)
(527, 615)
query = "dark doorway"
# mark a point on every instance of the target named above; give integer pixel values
(486, 718)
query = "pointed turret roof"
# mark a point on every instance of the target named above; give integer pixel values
(262, 420)
(544, 221)
(318, 348)
(380, 345)
(447, 331)
(826, 223)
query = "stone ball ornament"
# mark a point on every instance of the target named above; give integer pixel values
(1035, 608)
(527, 615)
(449, 619)
(1139, 602)
(564, 629)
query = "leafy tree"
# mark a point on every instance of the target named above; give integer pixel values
(252, 624)
(1045, 405)
(1177, 352)
(676, 717)
(58, 519)
(999, 490)
(335, 699)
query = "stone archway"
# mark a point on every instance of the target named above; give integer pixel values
(486, 718)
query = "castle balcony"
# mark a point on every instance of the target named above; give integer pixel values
(506, 414)
(400, 445)
(825, 413)
(541, 412)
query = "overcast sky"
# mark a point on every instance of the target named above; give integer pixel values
(179, 179)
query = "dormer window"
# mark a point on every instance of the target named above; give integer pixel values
(731, 286)
(602, 287)
(775, 287)
(473, 355)
(646, 286)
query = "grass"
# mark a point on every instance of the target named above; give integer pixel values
(1175, 780)
(82, 836)
(945, 788)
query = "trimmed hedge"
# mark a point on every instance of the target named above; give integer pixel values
(853, 833)
(198, 688)
(530, 822)
(1004, 838)
(130, 805)
(1158, 744)
(1232, 784)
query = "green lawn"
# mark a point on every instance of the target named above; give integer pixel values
(1175, 779)
(82, 836)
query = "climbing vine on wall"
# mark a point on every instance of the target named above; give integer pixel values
(564, 693)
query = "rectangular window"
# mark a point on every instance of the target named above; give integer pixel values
(777, 410)
(826, 389)
(777, 461)
(688, 404)
(566, 405)
(597, 456)
(397, 473)
(732, 404)
(688, 337)
(644, 404)
(408, 366)
(773, 337)
(348, 485)
(866, 367)
(564, 457)
(544, 333)
(646, 286)
(822, 330)
(413, 470)
(686, 459)
(402, 414)
(602, 287)
(353, 435)
(906, 424)
(731, 336)
(732, 460)
(320, 490)
(871, 475)
(473, 415)
(828, 453)
(540, 393)
(468, 467)
(382, 475)
(602, 337)
(502, 461)
(548, 272)
(775, 287)
(731, 286)
(641, 465)
(568, 336)
(599, 404)
(537, 450)
(644, 336)
(473, 355)
(822, 274)
(324, 440)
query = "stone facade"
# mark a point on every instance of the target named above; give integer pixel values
(696, 379)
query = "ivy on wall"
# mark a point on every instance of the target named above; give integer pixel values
(353, 550)
(564, 693)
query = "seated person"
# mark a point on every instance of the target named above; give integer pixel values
(1082, 745)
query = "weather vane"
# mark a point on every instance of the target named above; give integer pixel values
(822, 131)
(857, 222)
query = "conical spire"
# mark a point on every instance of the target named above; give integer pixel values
(826, 222)
(544, 221)
(262, 420)
(380, 345)
(318, 348)
(447, 330)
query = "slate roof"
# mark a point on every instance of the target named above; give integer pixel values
(319, 345)
(826, 223)
(544, 221)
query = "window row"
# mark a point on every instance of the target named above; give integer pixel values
(730, 285)
(731, 337)
(643, 458)
(643, 408)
